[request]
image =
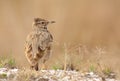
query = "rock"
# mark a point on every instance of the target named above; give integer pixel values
(42, 79)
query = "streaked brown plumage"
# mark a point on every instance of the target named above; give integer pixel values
(38, 43)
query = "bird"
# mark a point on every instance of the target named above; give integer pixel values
(38, 43)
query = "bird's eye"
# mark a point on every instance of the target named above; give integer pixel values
(42, 22)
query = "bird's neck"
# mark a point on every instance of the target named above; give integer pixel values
(39, 28)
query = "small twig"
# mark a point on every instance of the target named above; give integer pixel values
(65, 64)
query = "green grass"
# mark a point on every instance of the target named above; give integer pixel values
(107, 71)
(7, 62)
(57, 66)
(92, 68)
(3, 75)
(11, 62)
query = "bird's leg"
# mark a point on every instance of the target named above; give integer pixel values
(31, 67)
(42, 67)
(36, 67)
(46, 57)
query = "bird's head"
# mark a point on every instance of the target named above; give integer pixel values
(41, 23)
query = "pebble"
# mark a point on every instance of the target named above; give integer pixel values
(56, 75)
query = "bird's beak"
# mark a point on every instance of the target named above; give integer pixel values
(51, 22)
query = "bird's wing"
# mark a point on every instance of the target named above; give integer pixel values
(37, 42)
(31, 46)
(28, 43)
